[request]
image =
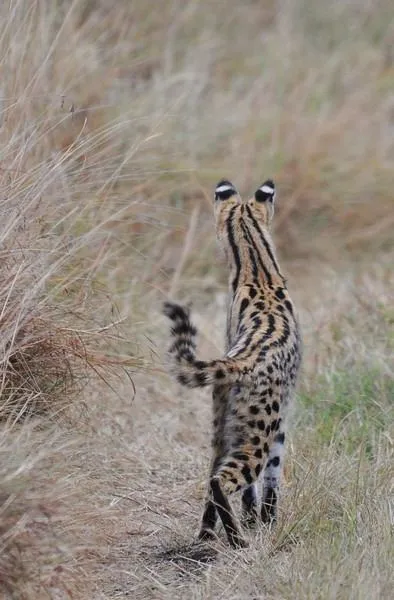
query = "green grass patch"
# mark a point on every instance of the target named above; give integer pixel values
(350, 408)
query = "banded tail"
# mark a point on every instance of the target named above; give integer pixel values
(182, 353)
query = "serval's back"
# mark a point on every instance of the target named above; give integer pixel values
(253, 383)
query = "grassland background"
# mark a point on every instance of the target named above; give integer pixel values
(115, 124)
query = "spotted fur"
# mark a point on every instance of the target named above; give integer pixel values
(253, 383)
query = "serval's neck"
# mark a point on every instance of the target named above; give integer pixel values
(250, 252)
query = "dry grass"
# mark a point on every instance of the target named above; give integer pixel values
(48, 533)
(114, 125)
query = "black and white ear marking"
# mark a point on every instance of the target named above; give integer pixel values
(266, 192)
(224, 190)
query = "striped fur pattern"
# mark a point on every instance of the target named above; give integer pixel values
(253, 384)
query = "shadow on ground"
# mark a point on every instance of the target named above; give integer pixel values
(189, 559)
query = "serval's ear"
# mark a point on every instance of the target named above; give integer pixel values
(224, 190)
(266, 192)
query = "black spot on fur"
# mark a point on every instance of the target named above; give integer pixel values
(232, 465)
(261, 424)
(258, 470)
(275, 462)
(240, 455)
(244, 305)
(289, 306)
(246, 473)
(258, 453)
(252, 293)
(268, 409)
(254, 410)
(266, 448)
(275, 406)
(255, 440)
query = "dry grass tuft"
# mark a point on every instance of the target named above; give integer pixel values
(48, 366)
(48, 533)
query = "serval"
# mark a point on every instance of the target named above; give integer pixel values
(253, 384)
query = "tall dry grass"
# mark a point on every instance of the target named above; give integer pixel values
(115, 123)
(61, 330)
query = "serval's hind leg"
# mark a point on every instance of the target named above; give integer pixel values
(235, 472)
(209, 519)
(226, 513)
(210, 514)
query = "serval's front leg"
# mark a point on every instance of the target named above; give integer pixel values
(249, 506)
(271, 478)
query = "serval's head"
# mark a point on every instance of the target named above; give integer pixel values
(231, 211)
